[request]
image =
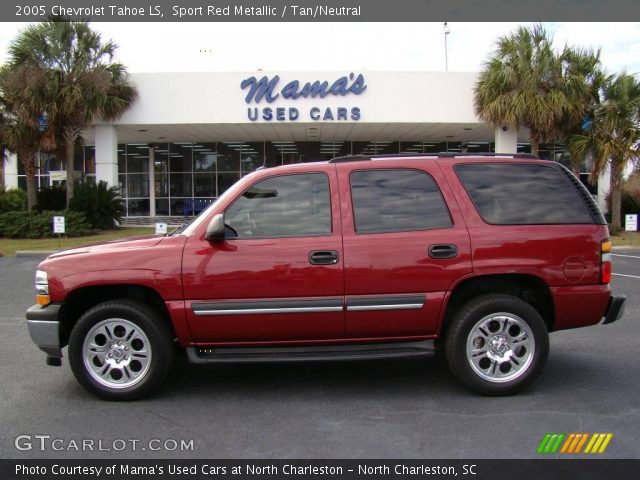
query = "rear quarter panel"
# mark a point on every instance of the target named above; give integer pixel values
(565, 257)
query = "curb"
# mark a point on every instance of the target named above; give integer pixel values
(34, 253)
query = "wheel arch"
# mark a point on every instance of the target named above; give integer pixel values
(82, 299)
(529, 288)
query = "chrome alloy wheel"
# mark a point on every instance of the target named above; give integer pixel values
(500, 347)
(116, 353)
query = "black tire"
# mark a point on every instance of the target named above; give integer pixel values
(469, 353)
(118, 316)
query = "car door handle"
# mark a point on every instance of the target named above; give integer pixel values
(443, 250)
(323, 257)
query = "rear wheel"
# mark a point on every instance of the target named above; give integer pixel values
(120, 350)
(497, 344)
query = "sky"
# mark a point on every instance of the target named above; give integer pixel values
(188, 47)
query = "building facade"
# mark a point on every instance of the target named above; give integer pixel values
(189, 136)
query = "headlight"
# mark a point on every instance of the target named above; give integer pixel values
(42, 288)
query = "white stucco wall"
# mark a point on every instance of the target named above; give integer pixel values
(11, 171)
(216, 97)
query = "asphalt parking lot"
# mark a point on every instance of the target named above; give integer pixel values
(372, 409)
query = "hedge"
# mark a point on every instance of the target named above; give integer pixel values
(40, 225)
(12, 200)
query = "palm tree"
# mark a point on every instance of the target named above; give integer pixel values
(584, 78)
(3, 123)
(19, 130)
(525, 82)
(24, 140)
(79, 83)
(3, 146)
(613, 137)
(3, 158)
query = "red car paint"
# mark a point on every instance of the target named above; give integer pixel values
(186, 269)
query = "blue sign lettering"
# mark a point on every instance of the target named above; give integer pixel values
(266, 88)
(292, 114)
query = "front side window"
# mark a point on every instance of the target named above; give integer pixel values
(522, 194)
(399, 200)
(284, 206)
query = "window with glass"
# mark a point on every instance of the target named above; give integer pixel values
(284, 206)
(522, 194)
(397, 200)
(133, 176)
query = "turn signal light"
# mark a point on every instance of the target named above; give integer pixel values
(43, 300)
(605, 262)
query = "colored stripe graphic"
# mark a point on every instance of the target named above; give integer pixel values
(550, 442)
(598, 443)
(584, 439)
(543, 443)
(573, 443)
(565, 447)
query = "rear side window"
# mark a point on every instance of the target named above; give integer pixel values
(285, 206)
(522, 194)
(399, 200)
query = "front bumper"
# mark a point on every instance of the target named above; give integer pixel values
(44, 326)
(615, 310)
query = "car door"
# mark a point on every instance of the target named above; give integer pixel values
(405, 243)
(278, 276)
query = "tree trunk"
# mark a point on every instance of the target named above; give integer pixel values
(30, 169)
(2, 160)
(616, 193)
(534, 142)
(69, 167)
(32, 191)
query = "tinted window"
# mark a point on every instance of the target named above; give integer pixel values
(396, 201)
(511, 194)
(286, 206)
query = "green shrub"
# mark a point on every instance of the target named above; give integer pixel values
(52, 198)
(13, 199)
(102, 206)
(40, 224)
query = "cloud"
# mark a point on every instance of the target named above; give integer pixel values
(158, 47)
(620, 42)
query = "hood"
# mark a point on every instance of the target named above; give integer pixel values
(112, 245)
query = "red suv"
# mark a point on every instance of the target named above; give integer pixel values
(357, 257)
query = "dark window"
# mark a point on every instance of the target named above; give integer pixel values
(397, 201)
(524, 194)
(285, 206)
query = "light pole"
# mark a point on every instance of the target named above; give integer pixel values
(446, 59)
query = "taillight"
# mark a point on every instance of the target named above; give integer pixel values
(605, 261)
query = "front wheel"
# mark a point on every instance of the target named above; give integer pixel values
(497, 344)
(120, 350)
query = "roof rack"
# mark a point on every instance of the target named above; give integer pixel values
(357, 158)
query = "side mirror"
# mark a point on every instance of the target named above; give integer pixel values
(215, 229)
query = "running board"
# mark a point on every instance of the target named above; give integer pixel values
(315, 353)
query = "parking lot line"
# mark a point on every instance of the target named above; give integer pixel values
(619, 255)
(623, 275)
